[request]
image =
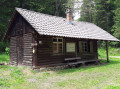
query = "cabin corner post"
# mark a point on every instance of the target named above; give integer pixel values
(34, 56)
(107, 51)
(35, 49)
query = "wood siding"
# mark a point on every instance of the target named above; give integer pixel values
(45, 56)
(13, 51)
(28, 50)
(21, 39)
(45, 52)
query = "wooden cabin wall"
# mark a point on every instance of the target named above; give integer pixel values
(13, 51)
(21, 38)
(28, 49)
(45, 53)
(93, 51)
(45, 56)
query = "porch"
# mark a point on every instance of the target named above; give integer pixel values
(74, 62)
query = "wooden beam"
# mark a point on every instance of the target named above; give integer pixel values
(76, 48)
(35, 48)
(107, 51)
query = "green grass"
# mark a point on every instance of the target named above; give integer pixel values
(4, 58)
(112, 52)
(104, 76)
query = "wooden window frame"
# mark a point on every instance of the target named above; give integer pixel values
(57, 42)
(84, 46)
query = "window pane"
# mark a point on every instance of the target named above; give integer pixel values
(54, 40)
(85, 50)
(59, 48)
(85, 46)
(59, 40)
(54, 48)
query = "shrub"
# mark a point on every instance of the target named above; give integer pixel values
(4, 47)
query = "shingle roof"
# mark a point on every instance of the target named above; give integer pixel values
(58, 26)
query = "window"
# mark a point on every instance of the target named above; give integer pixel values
(86, 46)
(57, 45)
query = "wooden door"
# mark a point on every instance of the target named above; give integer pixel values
(19, 50)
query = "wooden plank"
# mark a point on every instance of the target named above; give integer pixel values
(107, 51)
(28, 55)
(79, 62)
(70, 59)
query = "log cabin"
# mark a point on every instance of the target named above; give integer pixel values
(38, 39)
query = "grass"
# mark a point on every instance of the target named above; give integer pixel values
(4, 58)
(104, 76)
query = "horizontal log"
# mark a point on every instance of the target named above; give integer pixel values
(13, 46)
(28, 59)
(28, 40)
(28, 43)
(45, 51)
(13, 39)
(13, 43)
(27, 64)
(26, 35)
(28, 54)
(13, 56)
(48, 64)
(58, 61)
(13, 51)
(28, 48)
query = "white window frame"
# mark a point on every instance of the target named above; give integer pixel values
(57, 42)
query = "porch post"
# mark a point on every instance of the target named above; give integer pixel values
(107, 51)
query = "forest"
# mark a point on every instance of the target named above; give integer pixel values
(103, 13)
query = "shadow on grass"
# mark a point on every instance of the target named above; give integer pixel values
(89, 67)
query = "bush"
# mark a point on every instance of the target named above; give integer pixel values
(4, 46)
(7, 50)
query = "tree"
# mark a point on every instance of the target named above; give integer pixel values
(87, 11)
(116, 19)
(99, 12)
(104, 14)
